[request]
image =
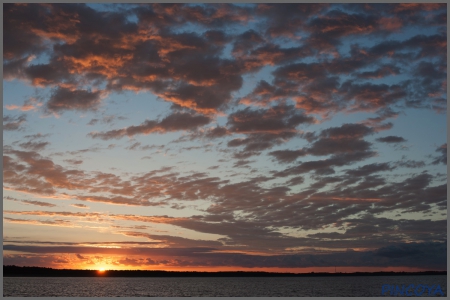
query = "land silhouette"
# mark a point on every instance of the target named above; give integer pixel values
(16, 271)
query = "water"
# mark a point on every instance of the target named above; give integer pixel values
(210, 287)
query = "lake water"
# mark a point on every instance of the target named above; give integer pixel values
(210, 287)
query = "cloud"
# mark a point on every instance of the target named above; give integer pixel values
(391, 139)
(116, 58)
(368, 96)
(80, 206)
(174, 240)
(287, 19)
(66, 99)
(56, 222)
(325, 166)
(383, 115)
(31, 202)
(410, 9)
(19, 39)
(246, 41)
(173, 122)
(30, 104)
(443, 157)
(74, 161)
(11, 123)
(411, 164)
(264, 127)
(326, 30)
(381, 72)
(249, 196)
(38, 203)
(327, 146)
(29, 172)
(34, 146)
(416, 255)
(252, 51)
(413, 250)
(97, 48)
(287, 156)
(334, 140)
(217, 132)
(369, 169)
(264, 93)
(37, 242)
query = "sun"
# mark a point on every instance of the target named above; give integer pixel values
(101, 270)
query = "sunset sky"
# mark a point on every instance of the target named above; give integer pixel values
(293, 137)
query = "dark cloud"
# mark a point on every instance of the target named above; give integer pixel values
(443, 155)
(413, 250)
(18, 39)
(264, 128)
(274, 120)
(246, 41)
(369, 169)
(51, 74)
(93, 122)
(11, 123)
(325, 166)
(34, 146)
(74, 161)
(14, 68)
(327, 146)
(381, 72)
(264, 93)
(65, 99)
(391, 139)
(301, 72)
(31, 202)
(79, 205)
(411, 164)
(296, 180)
(105, 120)
(217, 132)
(216, 15)
(287, 19)
(383, 114)
(173, 122)
(38, 203)
(326, 30)
(334, 140)
(427, 46)
(422, 255)
(55, 222)
(242, 163)
(287, 156)
(368, 96)
(172, 59)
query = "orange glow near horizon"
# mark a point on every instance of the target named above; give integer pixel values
(331, 269)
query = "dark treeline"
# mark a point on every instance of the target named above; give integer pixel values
(15, 271)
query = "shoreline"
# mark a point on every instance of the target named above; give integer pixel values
(16, 271)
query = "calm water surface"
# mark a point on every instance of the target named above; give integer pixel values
(210, 287)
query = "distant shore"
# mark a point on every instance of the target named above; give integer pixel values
(15, 271)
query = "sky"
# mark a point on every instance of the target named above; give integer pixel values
(274, 137)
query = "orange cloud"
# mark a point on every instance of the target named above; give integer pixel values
(391, 23)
